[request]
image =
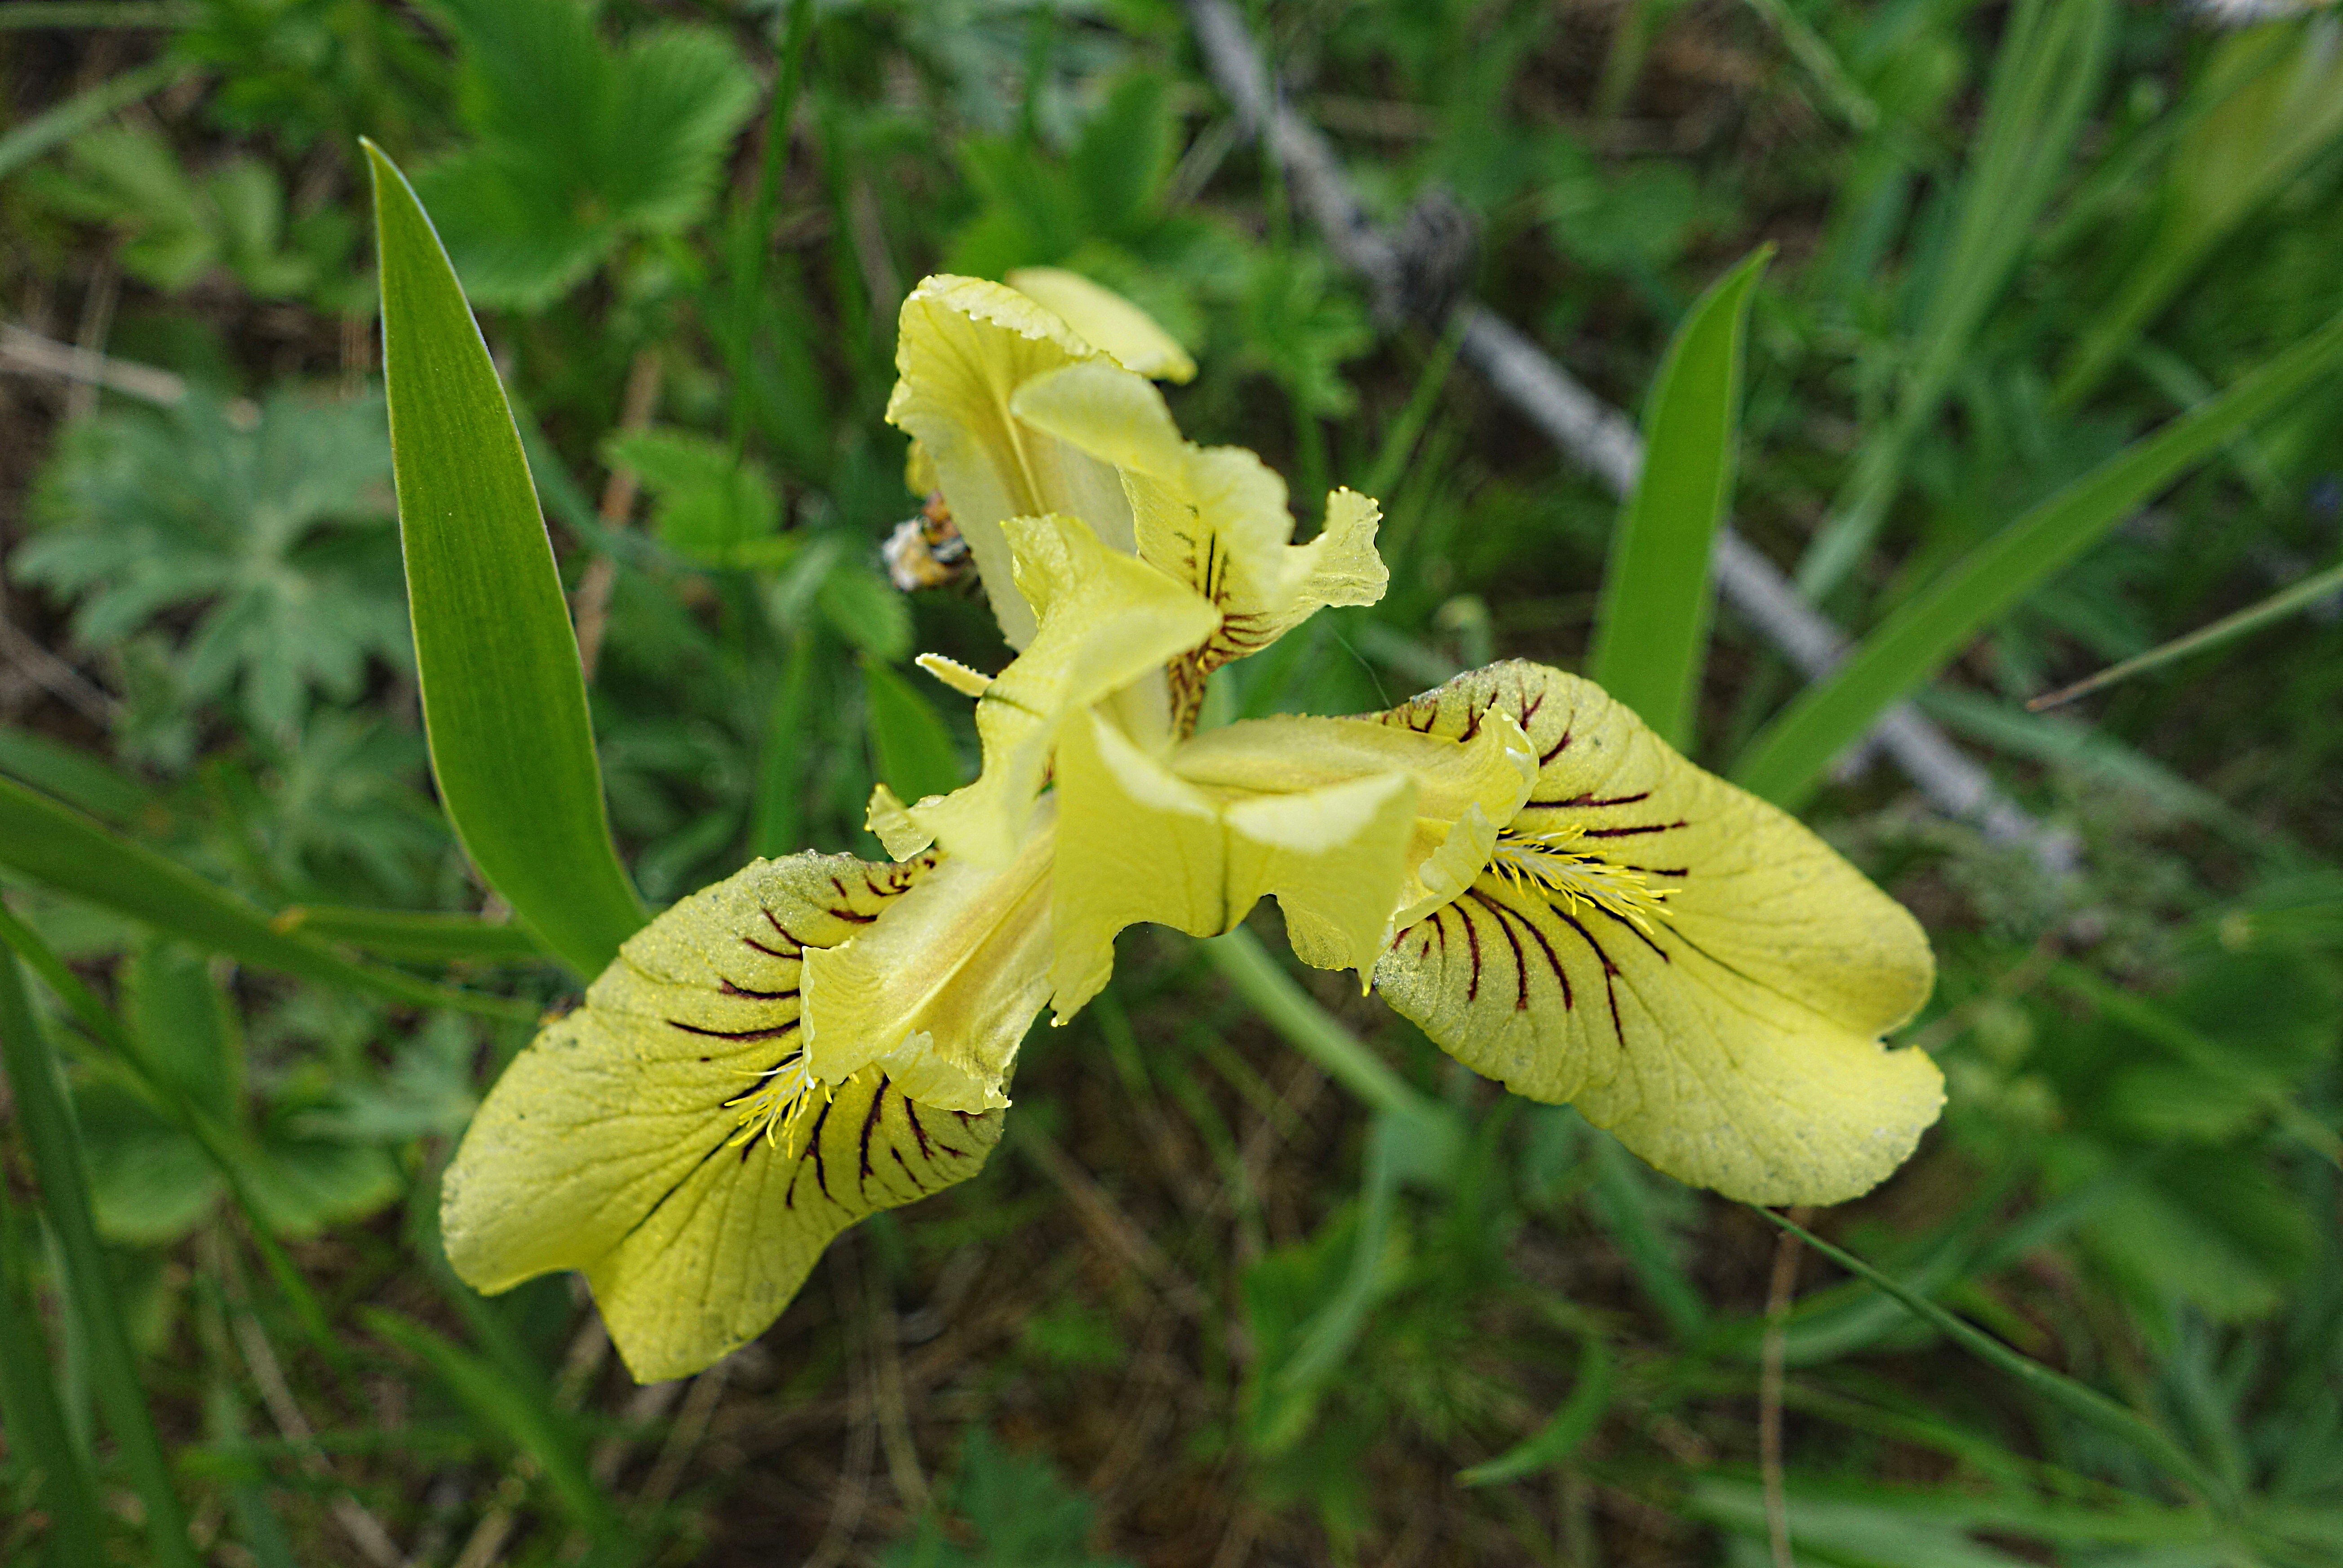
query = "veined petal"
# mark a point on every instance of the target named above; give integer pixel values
(964, 345)
(1136, 842)
(940, 989)
(665, 1138)
(1692, 968)
(1106, 321)
(1213, 518)
(1108, 621)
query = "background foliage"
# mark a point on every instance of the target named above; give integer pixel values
(1202, 1308)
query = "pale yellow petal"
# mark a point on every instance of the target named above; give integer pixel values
(1464, 786)
(892, 825)
(1136, 842)
(952, 673)
(1213, 518)
(963, 347)
(941, 987)
(1107, 321)
(1108, 621)
(1732, 1041)
(647, 1138)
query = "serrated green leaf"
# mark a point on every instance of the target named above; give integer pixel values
(1652, 628)
(708, 501)
(504, 699)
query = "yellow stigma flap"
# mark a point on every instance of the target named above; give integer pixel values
(1107, 621)
(938, 990)
(1213, 518)
(1136, 842)
(963, 347)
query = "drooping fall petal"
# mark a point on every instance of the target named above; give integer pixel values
(1692, 968)
(665, 1139)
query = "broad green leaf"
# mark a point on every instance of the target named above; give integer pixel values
(707, 500)
(1652, 631)
(1786, 759)
(504, 699)
(56, 1156)
(580, 142)
(60, 846)
(915, 752)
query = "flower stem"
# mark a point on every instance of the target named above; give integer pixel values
(1285, 1007)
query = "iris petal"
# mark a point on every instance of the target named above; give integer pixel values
(1692, 968)
(664, 1138)
(1108, 623)
(1136, 842)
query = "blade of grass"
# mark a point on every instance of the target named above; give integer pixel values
(2276, 104)
(1294, 1013)
(75, 778)
(778, 823)
(62, 848)
(1399, 440)
(504, 695)
(1625, 1211)
(55, 1148)
(1785, 762)
(420, 935)
(1574, 1423)
(52, 128)
(169, 1101)
(2309, 591)
(2046, 77)
(57, 1473)
(495, 1400)
(1651, 630)
(2085, 1403)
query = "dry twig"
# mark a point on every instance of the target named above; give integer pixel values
(1596, 436)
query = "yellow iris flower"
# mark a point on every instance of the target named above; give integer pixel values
(1514, 861)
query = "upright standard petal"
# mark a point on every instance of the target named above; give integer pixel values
(963, 347)
(1136, 842)
(666, 1139)
(1106, 321)
(1108, 623)
(1213, 518)
(1689, 966)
